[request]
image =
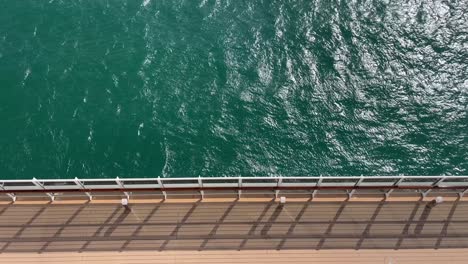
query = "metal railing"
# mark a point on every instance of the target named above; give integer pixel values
(212, 186)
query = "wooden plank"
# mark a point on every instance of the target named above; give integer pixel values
(260, 231)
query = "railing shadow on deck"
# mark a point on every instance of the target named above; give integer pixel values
(233, 226)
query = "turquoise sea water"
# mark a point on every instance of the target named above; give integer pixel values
(132, 88)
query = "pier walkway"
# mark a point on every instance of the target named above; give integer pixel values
(331, 230)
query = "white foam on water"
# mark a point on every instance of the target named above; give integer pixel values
(139, 128)
(90, 137)
(203, 3)
(146, 2)
(26, 74)
(115, 79)
(166, 161)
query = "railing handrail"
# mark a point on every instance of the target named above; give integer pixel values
(243, 178)
(274, 183)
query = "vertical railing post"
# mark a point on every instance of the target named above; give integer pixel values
(317, 185)
(396, 184)
(122, 186)
(162, 187)
(81, 186)
(278, 184)
(423, 194)
(434, 184)
(200, 185)
(239, 191)
(350, 194)
(40, 185)
(11, 195)
(439, 181)
(461, 194)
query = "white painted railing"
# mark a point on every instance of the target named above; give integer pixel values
(128, 187)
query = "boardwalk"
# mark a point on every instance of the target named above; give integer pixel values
(356, 231)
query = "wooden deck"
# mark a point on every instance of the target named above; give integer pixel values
(326, 231)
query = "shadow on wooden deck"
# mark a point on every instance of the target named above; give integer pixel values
(233, 226)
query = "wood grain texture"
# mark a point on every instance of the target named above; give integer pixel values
(261, 231)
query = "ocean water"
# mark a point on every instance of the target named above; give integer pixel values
(175, 88)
